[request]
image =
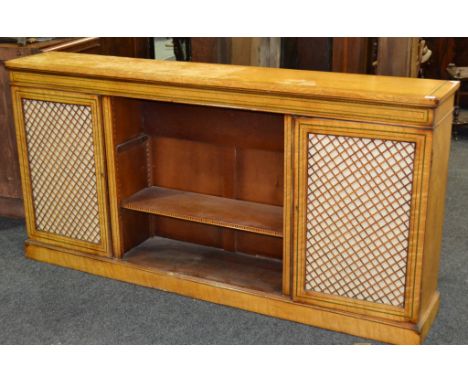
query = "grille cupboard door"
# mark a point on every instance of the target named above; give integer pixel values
(360, 191)
(61, 155)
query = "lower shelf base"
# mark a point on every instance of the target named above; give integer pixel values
(207, 263)
(258, 302)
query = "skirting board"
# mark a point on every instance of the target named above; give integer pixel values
(263, 303)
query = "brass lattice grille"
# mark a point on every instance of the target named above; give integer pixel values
(358, 216)
(62, 169)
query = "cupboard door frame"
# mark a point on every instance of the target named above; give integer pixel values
(103, 246)
(419, 196)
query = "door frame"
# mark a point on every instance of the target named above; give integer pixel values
(423, 145)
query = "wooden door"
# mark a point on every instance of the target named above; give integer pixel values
(360, 201)
(62, 168)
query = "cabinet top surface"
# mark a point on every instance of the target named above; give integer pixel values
(296, 83)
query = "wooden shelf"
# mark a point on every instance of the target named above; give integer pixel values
(207, 263)
(223, 212)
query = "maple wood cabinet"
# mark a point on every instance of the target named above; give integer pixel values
(313, 197)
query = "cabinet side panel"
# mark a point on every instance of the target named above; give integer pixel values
(127, 170)
(288, 207)
(435, 208)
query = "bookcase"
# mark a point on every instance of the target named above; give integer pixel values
(312, 197)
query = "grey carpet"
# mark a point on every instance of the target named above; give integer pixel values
(45, 304)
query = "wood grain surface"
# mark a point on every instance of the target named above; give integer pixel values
(208, 263)
(390, 90)
(213, 154)
(213, 210)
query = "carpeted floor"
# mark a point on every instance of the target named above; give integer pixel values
(45, 304)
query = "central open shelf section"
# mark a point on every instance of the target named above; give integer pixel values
(200, 191)
(213, 210)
